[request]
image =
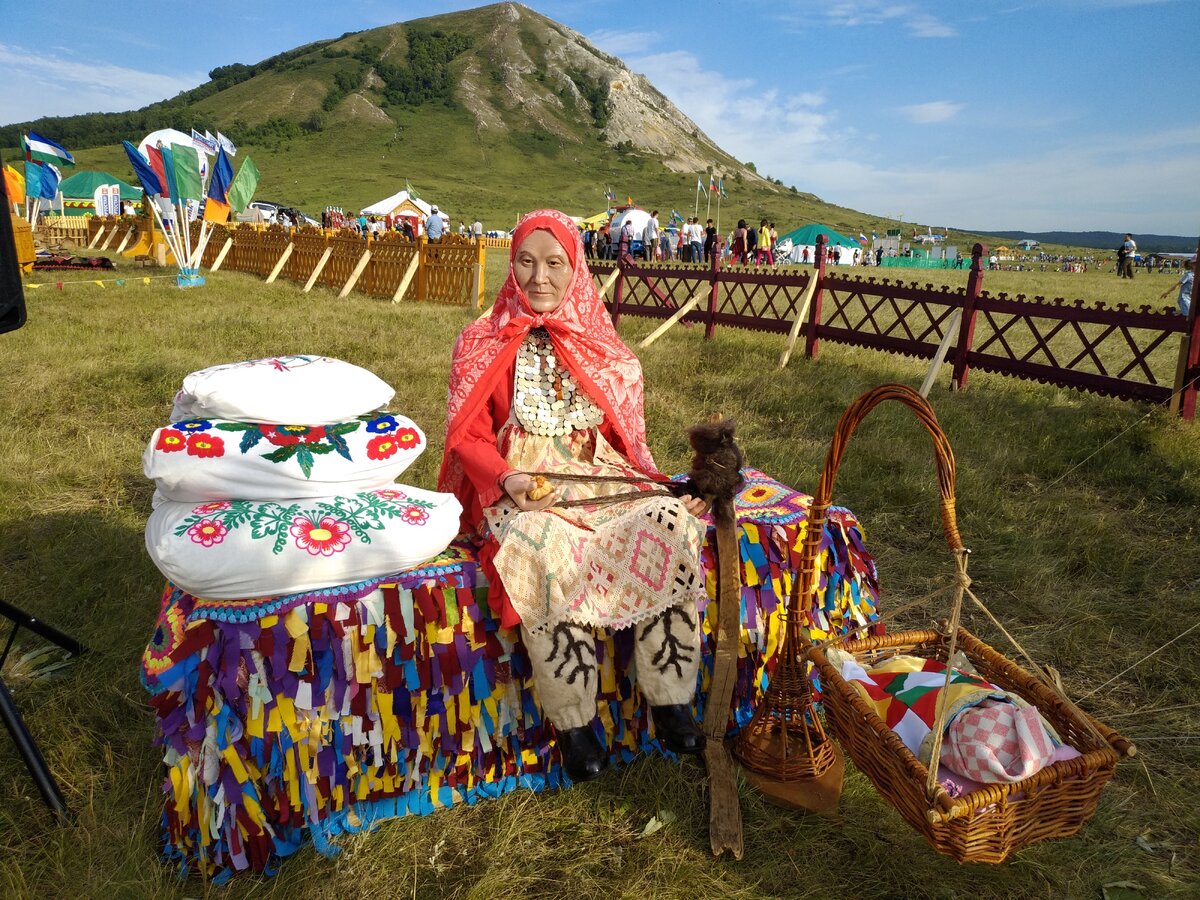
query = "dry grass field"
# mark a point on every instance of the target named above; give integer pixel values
(1083, 514)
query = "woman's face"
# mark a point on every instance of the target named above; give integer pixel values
(543, 271)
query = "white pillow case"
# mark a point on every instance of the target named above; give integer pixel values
(228, 550)
(314, 390)
(216, 459)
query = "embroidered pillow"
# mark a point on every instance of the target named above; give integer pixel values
(217, 459)
(228, 550)
(313, 390)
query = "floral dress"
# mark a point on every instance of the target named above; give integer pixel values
(605, 565)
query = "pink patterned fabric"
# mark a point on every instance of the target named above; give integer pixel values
(997, 741)
(584, 338)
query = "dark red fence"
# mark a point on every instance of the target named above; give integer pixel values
(1115, 351)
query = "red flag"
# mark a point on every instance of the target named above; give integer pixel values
(156, 163)
(712, 183)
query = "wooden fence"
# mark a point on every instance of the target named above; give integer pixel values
(450, 270)
(1117, 352)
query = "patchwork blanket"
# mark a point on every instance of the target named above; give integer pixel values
(991, 735)
(302, 717)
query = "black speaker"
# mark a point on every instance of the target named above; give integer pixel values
(12, 297)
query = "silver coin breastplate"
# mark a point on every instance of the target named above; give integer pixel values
(546, 398)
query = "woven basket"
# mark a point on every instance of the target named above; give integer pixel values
(989, 824)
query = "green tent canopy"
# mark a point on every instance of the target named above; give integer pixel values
(80, 188)
(808, 236)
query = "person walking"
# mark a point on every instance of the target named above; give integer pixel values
(1129, 249)
(764, 245)
(737, 246)
(1184, 300)
(697, 240)
(650, 236)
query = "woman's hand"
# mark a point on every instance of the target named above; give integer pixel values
(697, 506)
(518, 486)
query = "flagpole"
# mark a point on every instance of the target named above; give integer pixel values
(696, 209)
(171, 239)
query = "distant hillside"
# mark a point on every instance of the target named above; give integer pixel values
(1105, 240)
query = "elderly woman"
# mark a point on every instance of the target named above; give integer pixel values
(542, 385)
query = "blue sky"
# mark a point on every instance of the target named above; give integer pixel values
(1011, 114)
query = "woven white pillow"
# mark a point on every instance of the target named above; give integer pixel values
(216, 459)
(313, 390)
(226, 550)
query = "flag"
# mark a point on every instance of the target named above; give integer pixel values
(40, 149)
(862, 238)
(610, 195)
(408, 187)
(721, 188)
(676, 217)
(188, 183)
(160, 170)
(14, 185)
(216, 207)
(200, 142)
(227, 144)
(241, 191)
(151, 183)
(168, 163)
(874, 236)
(33, 180)
(699, 184)
(712, 183)
(50, 179)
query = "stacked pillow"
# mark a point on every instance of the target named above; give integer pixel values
(248, 507)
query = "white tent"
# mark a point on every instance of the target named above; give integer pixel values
(388, 205)
(404, 205)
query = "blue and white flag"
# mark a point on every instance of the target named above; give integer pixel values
(200, 142)
(225, 142)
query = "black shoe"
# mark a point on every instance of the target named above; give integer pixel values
(582, 753)
(677, 728)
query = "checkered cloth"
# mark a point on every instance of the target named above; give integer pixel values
(997, 741)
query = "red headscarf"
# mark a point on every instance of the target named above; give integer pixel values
(584, 340)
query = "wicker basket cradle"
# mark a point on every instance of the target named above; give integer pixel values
(988, 824)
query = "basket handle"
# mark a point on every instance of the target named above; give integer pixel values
(806, 585)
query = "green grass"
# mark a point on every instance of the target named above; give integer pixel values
(1083, 515)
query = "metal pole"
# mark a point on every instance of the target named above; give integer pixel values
(28, 748)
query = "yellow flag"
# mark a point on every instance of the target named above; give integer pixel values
(14, 185)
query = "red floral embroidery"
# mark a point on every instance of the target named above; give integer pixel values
(170, 440)
(389, 494)
(213, 506)
(315, 435)
(382, 447)
(408, 438)
(324, 538)
(204, 444)
(414, 515)
(207, 532)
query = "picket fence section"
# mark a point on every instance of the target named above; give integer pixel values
(448, 271)
(1142, 355)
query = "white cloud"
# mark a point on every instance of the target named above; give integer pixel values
(40, 84)
(621, 43)
(931, 112)
(887, 12)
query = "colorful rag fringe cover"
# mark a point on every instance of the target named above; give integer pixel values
(322, 713)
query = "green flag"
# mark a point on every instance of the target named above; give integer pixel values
(187, 172)
(241, 192)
